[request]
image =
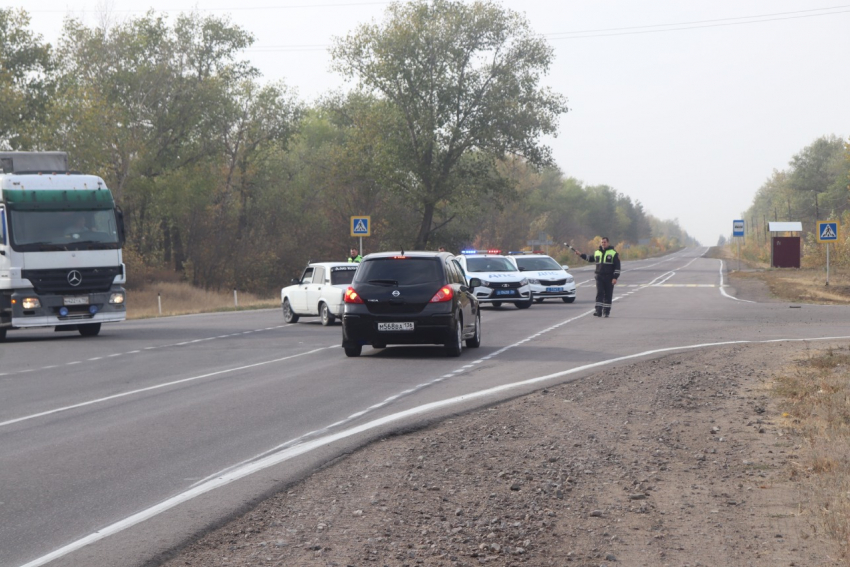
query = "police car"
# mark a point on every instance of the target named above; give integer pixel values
(547, 278)
(501, 281)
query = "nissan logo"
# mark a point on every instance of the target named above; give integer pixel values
(75, 278)
(396, 293)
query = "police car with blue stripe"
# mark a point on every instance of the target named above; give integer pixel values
(501, 280)
(547, 278)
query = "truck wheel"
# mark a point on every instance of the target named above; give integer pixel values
(325, 312)
(89, 329)
(289, 316)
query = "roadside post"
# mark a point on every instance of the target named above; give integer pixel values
(361, 226)
(542, 240)
(827, 232)
(738, 232)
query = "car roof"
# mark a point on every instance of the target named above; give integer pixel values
(408, 254)
(330, 264)
(481, 256)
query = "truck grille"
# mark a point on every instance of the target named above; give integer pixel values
(59, 280)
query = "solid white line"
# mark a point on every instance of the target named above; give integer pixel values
(723, 286)
(298, 450)
(150, 388)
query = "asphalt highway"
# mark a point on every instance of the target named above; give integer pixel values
(115, 449)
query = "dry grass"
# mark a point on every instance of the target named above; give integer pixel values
(806, 285)
(815, 396)
(182, 299)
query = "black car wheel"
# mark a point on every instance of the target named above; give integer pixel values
(538, 299)
(497, 304)
(524, 304)
(475, 341)
(568, 299)
(327, 316)
(289, 316)
(455, 344)
(353, 351)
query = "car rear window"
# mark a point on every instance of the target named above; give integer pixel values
(538, 263)
(403, 271)
(489, 265)
(341, 275)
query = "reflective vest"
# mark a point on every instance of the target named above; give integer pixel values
(606, 257)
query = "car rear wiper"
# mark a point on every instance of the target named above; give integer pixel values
(385, 282)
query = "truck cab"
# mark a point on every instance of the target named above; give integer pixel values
(61, 235)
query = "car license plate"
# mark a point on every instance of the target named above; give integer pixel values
(554, 289)
(395, 326)
(504, 292)
(76, 300)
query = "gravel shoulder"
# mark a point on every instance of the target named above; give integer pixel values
(682, 460)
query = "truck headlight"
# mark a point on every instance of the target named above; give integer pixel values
(30, 303)
(116, 298)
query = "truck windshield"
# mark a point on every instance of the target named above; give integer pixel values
(63, 230)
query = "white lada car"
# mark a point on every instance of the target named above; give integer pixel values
(319, 292)
(547, 278)
(501, 281)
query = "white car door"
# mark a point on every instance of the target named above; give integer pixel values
(299, 295)
(314, 290)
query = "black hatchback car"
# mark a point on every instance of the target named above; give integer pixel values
(410, 298)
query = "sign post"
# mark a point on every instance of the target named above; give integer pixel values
(361, 226)
(827, 232)
(738, 232)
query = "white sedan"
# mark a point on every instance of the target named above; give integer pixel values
(319, 292)
(548, 279)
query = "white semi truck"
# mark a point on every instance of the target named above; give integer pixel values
(60, 246)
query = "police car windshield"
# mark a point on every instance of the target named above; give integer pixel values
(494, 264)
(536, 263)
(401, 271)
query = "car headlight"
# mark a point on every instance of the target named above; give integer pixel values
(485, 283)
(116, 298)
(523, 282)
(570, 279)
(533, 281)
(30, 303)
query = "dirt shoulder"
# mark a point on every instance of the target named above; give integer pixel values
(682, 460)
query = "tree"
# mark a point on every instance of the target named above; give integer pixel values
(26, 80)
(462, 87)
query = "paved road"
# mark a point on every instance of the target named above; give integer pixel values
(159, 428)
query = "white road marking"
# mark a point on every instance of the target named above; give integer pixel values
(303, 448)
(150, 388)
(723, 286)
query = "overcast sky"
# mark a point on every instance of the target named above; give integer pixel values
(687, 107)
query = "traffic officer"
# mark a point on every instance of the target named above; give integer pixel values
(607, 272)
(355, 256)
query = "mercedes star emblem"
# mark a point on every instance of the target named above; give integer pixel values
(75, 278)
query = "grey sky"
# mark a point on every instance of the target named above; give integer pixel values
(690, 121)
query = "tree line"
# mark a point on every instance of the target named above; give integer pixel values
(232, 181)
(815, 187)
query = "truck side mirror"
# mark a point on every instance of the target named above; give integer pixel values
(119, 219)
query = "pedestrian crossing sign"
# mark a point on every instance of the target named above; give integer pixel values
(827, 231)
(361, 226)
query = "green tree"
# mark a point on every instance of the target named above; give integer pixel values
(26, 80)
(462, 87)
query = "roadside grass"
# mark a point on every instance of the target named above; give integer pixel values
(814, 396)
(182, 299)
(803, 285)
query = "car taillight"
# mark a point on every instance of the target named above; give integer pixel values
(445, 294)
(352, 296)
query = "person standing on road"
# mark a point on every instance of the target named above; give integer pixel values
(607, 273)
(355, 256)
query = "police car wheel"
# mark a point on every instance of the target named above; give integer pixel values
(497, 304)
(568, 299)
(538, 300)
